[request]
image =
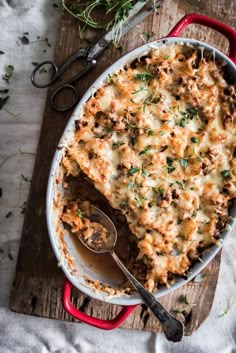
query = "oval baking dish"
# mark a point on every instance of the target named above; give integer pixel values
(55, 189)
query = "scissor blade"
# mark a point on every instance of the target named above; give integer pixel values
(132, 22)
(129, 23)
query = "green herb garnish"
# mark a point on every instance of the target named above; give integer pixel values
(175, 252)
(191, 112)
(147, 36)
(79, 213)
(140, 89)
(162, 133)
(110, 79)
(185, 300)
(170, 170)
(199, 278)
(182, 122)
(140, 200)
(145, 150)
(169, 161)
(132, 171)
(183, 163)
(199, 159)
(115, 11)
(150, 132)
(144, 76)
(182, 183)
(194, 139)
(225, 173)
(131, 185)
(144, 173)
(118, 143)
(160, 191)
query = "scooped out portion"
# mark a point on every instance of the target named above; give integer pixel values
(85, 224)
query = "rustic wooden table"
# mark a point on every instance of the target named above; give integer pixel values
(38, 281)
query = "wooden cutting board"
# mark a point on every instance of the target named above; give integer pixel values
(37, 287)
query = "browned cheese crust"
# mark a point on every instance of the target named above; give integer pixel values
(158, 139)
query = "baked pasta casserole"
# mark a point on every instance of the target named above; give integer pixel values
(158, 140)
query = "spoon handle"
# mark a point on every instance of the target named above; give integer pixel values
(172, 327)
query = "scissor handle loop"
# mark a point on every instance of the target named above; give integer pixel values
(59, 89)
(38, 67)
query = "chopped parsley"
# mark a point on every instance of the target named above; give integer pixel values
(160, 191)
(132, 171)
(144, 173)
(195, 214)
(225, 173)
(150, 132)
(194, 139)
(118, 143)
(199, 159)
(162, 133)
(183, 162)
(175, 252)
(182, 183)
(110, 79)
(170, 169)
(167, 57)
(145, 150)
(169, 161)
(131, 185)
(199, 278)
(79, 213)
(182, 122)
(140, 200)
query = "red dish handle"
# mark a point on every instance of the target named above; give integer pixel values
(228, 32)
(93, 321)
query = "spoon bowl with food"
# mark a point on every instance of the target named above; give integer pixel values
(98, 233)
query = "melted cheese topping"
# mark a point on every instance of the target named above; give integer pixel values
(158, 140)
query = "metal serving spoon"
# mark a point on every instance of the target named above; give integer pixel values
(172, 328)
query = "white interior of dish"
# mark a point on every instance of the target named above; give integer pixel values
(77, 278)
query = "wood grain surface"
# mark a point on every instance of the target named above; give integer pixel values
(38, 282)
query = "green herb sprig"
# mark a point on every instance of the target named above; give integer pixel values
(115, 11)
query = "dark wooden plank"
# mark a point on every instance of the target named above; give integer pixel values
(40, 295)
(38, 282)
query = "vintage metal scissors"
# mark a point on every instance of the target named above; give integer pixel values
(90, 55)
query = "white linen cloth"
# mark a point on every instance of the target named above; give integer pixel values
(20, 121)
